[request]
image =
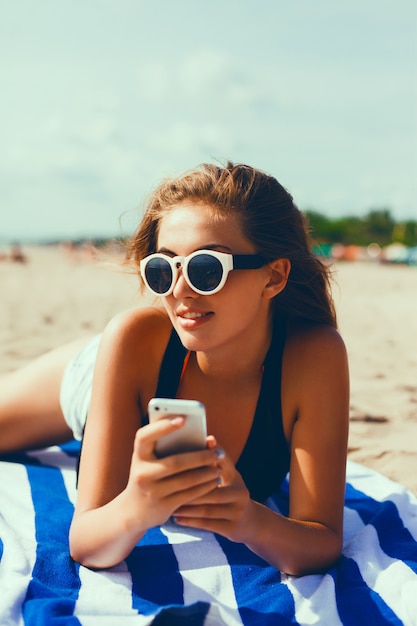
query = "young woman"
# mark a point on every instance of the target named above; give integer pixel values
(247, 327)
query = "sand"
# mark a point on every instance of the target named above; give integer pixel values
(58, 295)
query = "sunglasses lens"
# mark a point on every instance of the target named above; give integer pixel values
(158, 274)
(205, 272)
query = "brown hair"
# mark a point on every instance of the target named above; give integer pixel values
(269, 219)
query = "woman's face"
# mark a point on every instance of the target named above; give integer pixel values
(228, 317)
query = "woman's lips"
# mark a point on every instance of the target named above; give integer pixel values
(192, 315)
(192, 319)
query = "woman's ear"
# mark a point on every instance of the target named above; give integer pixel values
(278, 276)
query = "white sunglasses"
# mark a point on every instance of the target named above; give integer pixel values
(205, 271)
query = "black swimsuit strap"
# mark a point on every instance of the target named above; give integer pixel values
(170, 372)
(171, 368)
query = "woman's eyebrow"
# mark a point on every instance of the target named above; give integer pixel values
(209, 246)
(216, 246)
(166, 251)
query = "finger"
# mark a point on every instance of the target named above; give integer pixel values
(185, 481)
(209, 503)
(181, 470)
(188, 461)
(218, 526)
(147, 436)
(206, 511)
(159, 482)
(176, 499)
(211, 442)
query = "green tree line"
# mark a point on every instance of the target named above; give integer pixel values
(377, 226)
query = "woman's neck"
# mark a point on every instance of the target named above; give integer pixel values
(240, 362)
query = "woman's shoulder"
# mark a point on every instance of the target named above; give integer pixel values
(310, 347)
(311, 336)
(139, 331)
(131, 351)
(139, 319)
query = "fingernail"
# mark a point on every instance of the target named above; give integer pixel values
(220, 453)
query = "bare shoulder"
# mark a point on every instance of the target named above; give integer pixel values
(141, 328)
(315, 360)
(314, 344)
(132, 348)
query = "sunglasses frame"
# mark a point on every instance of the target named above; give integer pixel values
(228, 262)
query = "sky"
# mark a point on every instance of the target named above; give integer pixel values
(101, 99)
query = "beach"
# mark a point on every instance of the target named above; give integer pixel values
(61, 293)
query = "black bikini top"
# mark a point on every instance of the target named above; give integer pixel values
(265, 459)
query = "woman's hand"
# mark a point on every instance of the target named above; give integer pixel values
(159, 486)
(225, 510)
(104, 533)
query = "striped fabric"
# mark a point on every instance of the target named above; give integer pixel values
(177, 577)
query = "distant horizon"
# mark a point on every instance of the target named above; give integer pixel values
(80, 237)
(134, 216)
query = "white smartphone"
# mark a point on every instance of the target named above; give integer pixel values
(191, 437)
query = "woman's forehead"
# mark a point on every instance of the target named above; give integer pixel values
(195, 226)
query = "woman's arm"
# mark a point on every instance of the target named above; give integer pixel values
(310, 539)
(123, 488)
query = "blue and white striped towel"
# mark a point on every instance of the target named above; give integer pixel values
(177, 577)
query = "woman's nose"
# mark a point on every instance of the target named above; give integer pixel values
(182, 289)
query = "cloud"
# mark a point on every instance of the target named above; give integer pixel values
(207, 79)
(100, 100)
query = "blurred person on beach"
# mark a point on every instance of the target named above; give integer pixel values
(244, 323)
(16, 254)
